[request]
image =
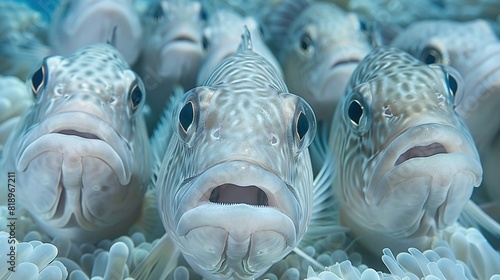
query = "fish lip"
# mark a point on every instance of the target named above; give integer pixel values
(83, 123)
(110, 7)
(452, 138)
(282, 201)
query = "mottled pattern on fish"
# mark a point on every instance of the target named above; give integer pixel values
(222, 36)
(78, 23)
(172, 53)
(235, 185)
(473, 49)
(81, 154)
(319, 45)
(407, 163)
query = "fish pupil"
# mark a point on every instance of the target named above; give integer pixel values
(136, 96)
(186, 116)
(452, 84)
(355, 112)
(305, 43)
(302, 125)
(431, 56)
(37, 80)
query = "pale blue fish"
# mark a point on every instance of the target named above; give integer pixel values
(407, 163)
(222, 36)
(81, 154)
(172, 53)
(22, 39)
(319, 45)
(234, 177)
(77, 23)
(473, 49)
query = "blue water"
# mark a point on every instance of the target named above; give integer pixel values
(46, 7)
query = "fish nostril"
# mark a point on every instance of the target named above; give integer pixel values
(233, 194)
(421, 151)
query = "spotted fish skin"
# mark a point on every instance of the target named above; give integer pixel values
(407, 163)
(81, 154)
(235, 184)
(472, 48)
(77, 23)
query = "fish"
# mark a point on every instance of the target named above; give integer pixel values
(22, 39)
(234, 178)
(77, 23)
(222, 36)
(407, 164)
(172, 53)
(14, 101)
(318, 45)
(81, 154)
(473, 49)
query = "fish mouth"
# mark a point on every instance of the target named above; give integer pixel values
(238, 209)
(78, 135)
(428, 173)
(234, 194)
(421, 151)
(344, 62)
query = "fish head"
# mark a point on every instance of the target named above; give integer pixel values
(83, 145)
(173, 49)
(76, 24)
(472, 48)
(408, 162)
(235, 193)
(222, 36)
(323, 46)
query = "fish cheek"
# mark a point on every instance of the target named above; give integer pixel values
(102, 194)
(39, 190)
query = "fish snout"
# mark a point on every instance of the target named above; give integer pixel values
(237, 218)
(429, 178)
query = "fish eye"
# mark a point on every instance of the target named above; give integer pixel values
(305, 43)
(186, 116)
(136, 95)
(157, 12)
(431, 55)
(38, 80)
(302, 126)
(355, 112)
(203, 14)
(204, 42)
(362, 26)
(452, 84)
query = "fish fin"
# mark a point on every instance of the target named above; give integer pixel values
(160, 262)
(474, 216)
(112, 39)
(149, 222)
(308, 258)
(277, 21)
(163, 132)
(325, 214)
(246, 41)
